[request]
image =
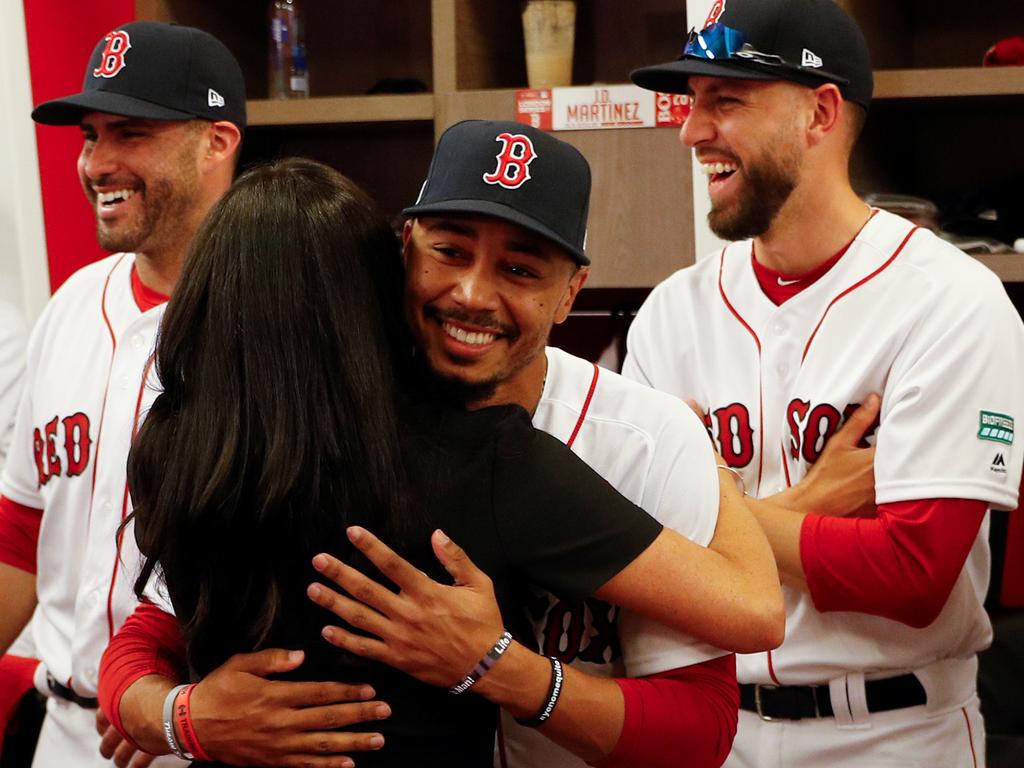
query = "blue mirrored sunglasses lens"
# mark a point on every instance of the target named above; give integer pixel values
(714, 42)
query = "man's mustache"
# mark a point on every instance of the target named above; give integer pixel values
(483, 320)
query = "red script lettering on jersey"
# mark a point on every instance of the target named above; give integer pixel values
(77, 444)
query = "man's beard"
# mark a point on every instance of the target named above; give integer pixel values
(451, 389)
(766, 187)
(165, 212)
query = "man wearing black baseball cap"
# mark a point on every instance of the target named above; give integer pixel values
(162, 111)
(495, 255)
(822, 302)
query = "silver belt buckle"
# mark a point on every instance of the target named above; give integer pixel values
(757, 700)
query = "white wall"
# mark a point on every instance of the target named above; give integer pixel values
(24, 277)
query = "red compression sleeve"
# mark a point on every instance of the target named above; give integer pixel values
(16, 673)
(148, 643)
(19, 534)
(690, 711)
(901, 565)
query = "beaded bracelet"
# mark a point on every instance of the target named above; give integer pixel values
(183, 717)
(553, 693)
(489, 660)
(172, 739)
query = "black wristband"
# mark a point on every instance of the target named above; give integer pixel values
(553, 693)
(484, 665)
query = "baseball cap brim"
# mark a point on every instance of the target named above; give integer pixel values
(69, 110)
(673, 77)
(497, 211)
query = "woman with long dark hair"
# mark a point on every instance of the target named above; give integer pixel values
(292, 408)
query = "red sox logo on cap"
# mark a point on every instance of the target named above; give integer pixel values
(514, 160)
(717, 8)
(112, 59)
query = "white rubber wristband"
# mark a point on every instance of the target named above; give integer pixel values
(172, 739)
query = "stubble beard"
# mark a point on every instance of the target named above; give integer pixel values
(165, 214)
(768, 183)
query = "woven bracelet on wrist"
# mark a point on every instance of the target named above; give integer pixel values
(553, 693)
(484, 665)
(169, 735)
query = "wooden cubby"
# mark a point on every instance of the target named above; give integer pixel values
(935, 105)
(942, 126)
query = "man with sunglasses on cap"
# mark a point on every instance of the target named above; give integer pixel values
(161, 112)
(818, 301)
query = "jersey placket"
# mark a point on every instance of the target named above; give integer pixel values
(104, 597)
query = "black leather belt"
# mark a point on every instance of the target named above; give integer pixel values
(796, 702)
(63, 692)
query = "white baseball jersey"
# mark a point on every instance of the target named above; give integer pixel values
(655, 452)
(902, 313)
(88, 382)
(12, 366)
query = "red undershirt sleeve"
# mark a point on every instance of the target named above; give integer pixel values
(19, 534)
(689, 711)
(901, 565)
(148, 643)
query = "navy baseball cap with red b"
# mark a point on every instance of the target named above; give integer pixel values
(155, 71)
(809, 42)
(511, 172)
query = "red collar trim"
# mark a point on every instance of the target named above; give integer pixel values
(780, 288)
(145, 297)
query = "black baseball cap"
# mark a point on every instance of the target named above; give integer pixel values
(810, 42)
(155, 71)
(512, 172)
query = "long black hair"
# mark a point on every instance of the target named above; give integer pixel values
(276, 427)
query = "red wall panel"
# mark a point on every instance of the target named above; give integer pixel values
(61, 35)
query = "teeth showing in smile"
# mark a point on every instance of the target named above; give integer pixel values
(712, 168)
(466, 337)
(118, 196)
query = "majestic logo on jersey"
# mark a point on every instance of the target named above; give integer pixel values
(514, 160)
(62, 447)
(998, 464)
(112, 58)
(717, 8)
(811, 427)
(580, 629)
(997, 427)
(730, 427)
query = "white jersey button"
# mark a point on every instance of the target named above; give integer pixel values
(779, 328)
(783, 369)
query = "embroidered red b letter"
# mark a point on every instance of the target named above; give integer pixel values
(514, 160)
(112, 59)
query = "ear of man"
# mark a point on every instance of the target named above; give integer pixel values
(827, 116)
(223, 142)
(576, 281)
